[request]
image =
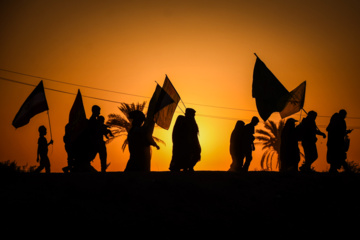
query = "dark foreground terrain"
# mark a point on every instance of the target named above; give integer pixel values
(257, 203)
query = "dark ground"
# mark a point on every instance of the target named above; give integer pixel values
(258, 203)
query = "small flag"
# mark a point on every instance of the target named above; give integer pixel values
(77, 120)
(159, 100)
(164, 116)
(170, 89)
(295, 102)
(163, 104)
(77, 112)
(270, 95)
(36, 103)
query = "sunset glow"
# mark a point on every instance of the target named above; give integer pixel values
(205, 47)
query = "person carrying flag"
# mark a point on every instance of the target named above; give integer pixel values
(186, 145)
(42, 151)
(140, 139)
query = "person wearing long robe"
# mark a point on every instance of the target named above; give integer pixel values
(337, 142)
(236, 147)
(248, 142)
(80, 141)
(289, 148)
(186, 145)
(140, 139)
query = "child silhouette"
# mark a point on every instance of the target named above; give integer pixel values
(43, 151)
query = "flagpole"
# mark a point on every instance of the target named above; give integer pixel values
(180, 109)
(183, 102)
(49, 124)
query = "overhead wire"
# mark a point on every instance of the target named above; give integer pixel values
(60, 91)
(124, 93)
(73, 84)
(101, 99)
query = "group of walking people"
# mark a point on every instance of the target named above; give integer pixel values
(337, 143)
(84, 138)
(186, 145)
(242, 143)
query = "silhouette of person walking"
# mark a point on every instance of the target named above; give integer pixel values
(140, 139)
(236, 147)
(81, 140)
(289, 148)
(102, 132)
(248, 142)
(338, 142)
(42, 151)
(309, 130)
(186, 145)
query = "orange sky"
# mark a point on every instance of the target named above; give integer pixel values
(205, 47)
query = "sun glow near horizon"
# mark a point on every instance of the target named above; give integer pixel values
(206, 49)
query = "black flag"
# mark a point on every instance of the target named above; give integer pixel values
(270, 95)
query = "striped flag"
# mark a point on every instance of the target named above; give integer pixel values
(163, 104)
(164, 116)
(159, 100)
(35, 103)
(296, 101)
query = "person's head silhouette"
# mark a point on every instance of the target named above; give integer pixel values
(255, 121)
(343, 113)
(190, 113)
(137, 117)
(291, 122)
(42, 130)
(239, 124)
(95, 110)
(312, 115)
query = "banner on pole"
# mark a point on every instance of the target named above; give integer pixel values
(35, 103)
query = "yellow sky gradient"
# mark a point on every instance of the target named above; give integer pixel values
(205, 47)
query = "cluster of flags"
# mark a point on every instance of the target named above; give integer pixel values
(271, 96)
(162, 106)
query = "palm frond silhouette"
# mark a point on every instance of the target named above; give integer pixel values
(120, 124)
(270, 138)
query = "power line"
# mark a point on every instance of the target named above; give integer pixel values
(112, 101)
(74, 84)
(228, 108)
(101, 99)
(129, 94)
(217, 117)
(124, 93)
(60, 91)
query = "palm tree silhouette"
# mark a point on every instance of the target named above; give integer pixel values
(120, 124)
(271, 140)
